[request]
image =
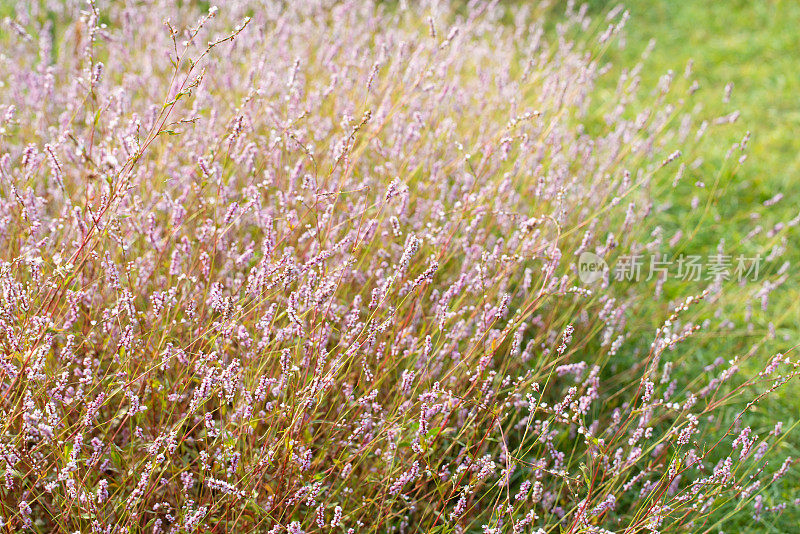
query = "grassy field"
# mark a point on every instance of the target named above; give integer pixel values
(753, 45)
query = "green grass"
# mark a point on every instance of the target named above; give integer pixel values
(755, 45)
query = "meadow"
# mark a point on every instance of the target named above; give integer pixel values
(749, 45)
(398, 267)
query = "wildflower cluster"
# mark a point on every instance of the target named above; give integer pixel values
(308, 267)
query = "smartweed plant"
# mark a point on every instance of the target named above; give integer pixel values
(310, 267)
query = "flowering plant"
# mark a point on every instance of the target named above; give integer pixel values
(311, 267)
